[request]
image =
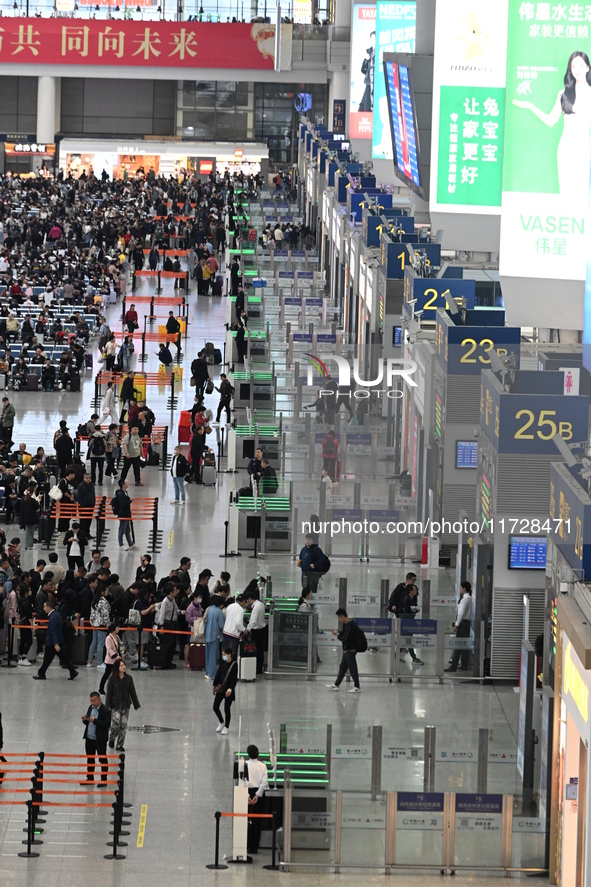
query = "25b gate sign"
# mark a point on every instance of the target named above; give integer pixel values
(527, 423)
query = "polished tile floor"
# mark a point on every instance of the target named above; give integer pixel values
(184, 776)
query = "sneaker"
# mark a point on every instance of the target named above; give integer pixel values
(73, 676)
(332, 686)
(207, 678)
(182, 503)
(224, 731)
(89, 664)
(144, 666)
(39, 677)
(138, 483)
(25, 662)
(355, 690)
(102, 665)
(418, 662)
(219, 728)
(133, 548)
(175, 502)
(451, 668)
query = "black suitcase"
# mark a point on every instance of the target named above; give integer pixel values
(244, 493)
(43, 530)
(32, 382)
(156, 651)
(218, 286)
(74, 381)
(217, 356)
(79, 648)
(88, 362)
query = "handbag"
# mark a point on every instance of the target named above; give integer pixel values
(198, 631)
(134, 617)
(55, 493)
(209, 387)
(192, 381)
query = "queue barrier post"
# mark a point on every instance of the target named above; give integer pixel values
(216, 864)
(30, 853)
(118, 817)
(143, 355)
(115, 843)
(273, 867)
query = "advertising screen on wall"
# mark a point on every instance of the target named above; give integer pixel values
(547, 146)
(396, 28)
(363, 51)
(403, 124)
(469, 72)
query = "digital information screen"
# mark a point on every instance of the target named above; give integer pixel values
(527, 552)
(404, 125)
(466, 454)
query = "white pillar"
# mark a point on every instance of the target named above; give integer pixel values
(338, 88)
(46, 109)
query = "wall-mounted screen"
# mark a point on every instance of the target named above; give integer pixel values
(527, 552)
(466, 454)
(403, 124)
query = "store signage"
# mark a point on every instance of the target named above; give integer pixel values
(546, 163)
(205, 167)
(29, 148)
(238, 152)
(29, 41)
(469, 73)
(575, 684)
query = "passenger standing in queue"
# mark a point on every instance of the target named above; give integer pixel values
(462, 626)
(97, 721)
(258, 782)
(224, 689)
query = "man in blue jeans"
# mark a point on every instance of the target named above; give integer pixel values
(311, 562)
(54, 644)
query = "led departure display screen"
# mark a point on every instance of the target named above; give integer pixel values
(527, 553)
(403, 122)
(466, 454)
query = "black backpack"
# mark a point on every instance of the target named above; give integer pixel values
(360, 639)
(115, 505)
(326, 565)
(98, 446)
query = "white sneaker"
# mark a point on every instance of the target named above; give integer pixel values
(224, 731)
(332, 686)
(25, 662)
(133, 548)
(102, 666)
(219, 728)
(144, 666)
(207, 678)
(355, 690)
(174, 502)
(182, 503)
(89, 664)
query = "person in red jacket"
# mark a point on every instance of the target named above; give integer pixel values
(131, 319)
(330, 454)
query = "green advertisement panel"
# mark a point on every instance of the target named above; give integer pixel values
(470, 155)
(547, 150)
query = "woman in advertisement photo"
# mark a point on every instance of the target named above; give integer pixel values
(573, 104)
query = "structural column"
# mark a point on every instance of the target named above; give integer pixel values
(47, 108)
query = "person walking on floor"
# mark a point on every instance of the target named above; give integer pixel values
(121, 506)
(178, 469)
(409, 611)
(226, 394)
(97, 721)
(97, 449)
(462, 627)
(214, 620)
(7, 420)
(224, 684)
(100, 619)
(120, 697)
(112, 654)
(132, 450)
(347, 635)
(54, 644)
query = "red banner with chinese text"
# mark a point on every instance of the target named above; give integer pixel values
(137, 44)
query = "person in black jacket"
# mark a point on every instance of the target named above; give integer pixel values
(64, 449)
(97, 721)
(268, 483)
(25, 612)
(235, 278)
(200, 373)
(164, 355)
(224, 685)
(347, 635)
(75, 541)
(397, 597)
(178, 469)
(226, 393)
(409, 611)
(122, 501)
(197, 447)
(126, 394)
(86, 498)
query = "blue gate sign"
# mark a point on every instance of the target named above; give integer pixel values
(418, 626)
(349, 514)
(326, 338)
(375, 626)
(431, 802)
(305, 275)
(479, 803)
(285, 275)
(302, 337)
(383, 516)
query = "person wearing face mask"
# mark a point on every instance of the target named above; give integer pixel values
(224, 685)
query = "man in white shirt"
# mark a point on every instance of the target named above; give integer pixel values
(257, 627)
(234, 624)
(258, 782)
(462, 626)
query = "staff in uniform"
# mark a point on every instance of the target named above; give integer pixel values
(258, 783)
(462, 626)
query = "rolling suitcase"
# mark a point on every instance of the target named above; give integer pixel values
(88, 361)
(74, 380)
(217, 356)
(32, 382)
(218, 286)
(156, 651)
(197, 657)
(43, 530)
(247, 668)
(79, 648)
(208, 475)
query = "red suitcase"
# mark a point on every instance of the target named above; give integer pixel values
(184, 426)
(197, 657)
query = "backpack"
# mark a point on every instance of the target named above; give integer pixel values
(326, 565)
(360, 639)
(329, 448)
(115, 505)
(98, 446)
(82, 430)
